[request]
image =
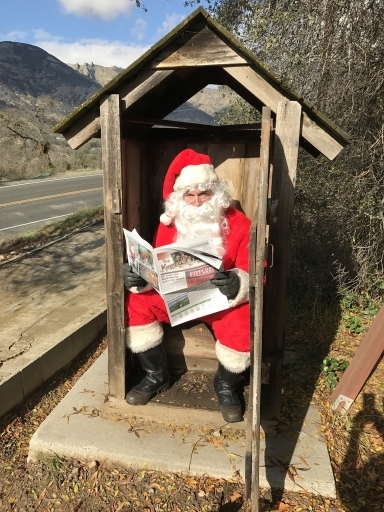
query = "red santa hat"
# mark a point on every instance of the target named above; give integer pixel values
(187, 170)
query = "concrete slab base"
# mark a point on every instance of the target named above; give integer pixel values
(88, 425)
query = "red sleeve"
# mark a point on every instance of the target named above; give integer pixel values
(237, 243)
(242, 256)
(164, 235)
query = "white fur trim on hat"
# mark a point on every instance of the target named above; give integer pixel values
(195, 175)
(243, 293)
(232, 360)
(140, 338)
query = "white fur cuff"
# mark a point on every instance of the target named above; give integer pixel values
(140, 338)
(141, 289)
(232, 360)
(243, 293)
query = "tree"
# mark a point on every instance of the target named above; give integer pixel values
(331, 52)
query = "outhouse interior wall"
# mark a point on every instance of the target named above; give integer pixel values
(144, 166)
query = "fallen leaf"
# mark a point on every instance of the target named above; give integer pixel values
(304, 461)
(235, 496)
(125, 481)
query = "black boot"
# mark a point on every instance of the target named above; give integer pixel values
(154, 362)
(225, 387)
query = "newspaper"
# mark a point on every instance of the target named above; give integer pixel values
(181, 273)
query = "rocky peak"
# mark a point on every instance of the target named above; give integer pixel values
(100, 74)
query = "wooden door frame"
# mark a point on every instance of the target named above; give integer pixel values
(256, 279)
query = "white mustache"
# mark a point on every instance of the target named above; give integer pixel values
(205, 211)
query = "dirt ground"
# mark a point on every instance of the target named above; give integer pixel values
(355, 442)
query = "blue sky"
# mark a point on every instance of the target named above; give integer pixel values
(105, 32)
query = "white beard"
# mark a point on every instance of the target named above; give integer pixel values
(205, 220)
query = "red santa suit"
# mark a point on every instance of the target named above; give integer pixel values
(145, 309)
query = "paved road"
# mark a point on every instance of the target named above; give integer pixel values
(28, 205)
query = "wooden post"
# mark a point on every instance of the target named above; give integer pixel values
(286, 147)
(362, 364)
(256, 273)
(111, 162)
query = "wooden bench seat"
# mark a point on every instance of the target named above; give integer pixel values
(190, 346)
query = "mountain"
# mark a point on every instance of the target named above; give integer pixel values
(36, 91)
(28, 72)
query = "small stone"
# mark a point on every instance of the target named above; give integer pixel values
(201, 494)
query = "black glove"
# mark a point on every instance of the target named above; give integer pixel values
(130, 277)
(227, 282)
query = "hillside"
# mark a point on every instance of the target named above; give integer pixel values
(37, 90)
(28, 73)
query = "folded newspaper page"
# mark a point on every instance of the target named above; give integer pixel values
(180, 273)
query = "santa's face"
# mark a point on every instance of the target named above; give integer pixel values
(200, 212)
(197, 197)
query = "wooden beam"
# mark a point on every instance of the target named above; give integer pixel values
(84, 130)
(88, 126)
(205, 48)
(196, 126)
(134, 131)
(270, 96)
(111, 162)
(257, 257)
(178, 90)
(286, 146)
(362, 364)
(133, 91)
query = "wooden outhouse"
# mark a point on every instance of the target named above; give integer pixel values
(259, 161)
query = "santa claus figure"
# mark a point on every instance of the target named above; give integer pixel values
(197, 203)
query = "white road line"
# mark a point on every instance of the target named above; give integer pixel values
(51, 179)
(35, 221)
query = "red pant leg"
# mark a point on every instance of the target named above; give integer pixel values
(232, 327)
(145, 308)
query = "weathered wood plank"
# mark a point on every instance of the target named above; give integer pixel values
(131, 171)
(229, 165)
(205, 48)
(286, 146)
(251, 179)
(320, 139)
(133, 91)
(88, 126)
(134, 131)
(83, 131)
(186, 125)
(257, 257)
(192, 340)
(270, 96)
(111, 162)
(361, 366)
